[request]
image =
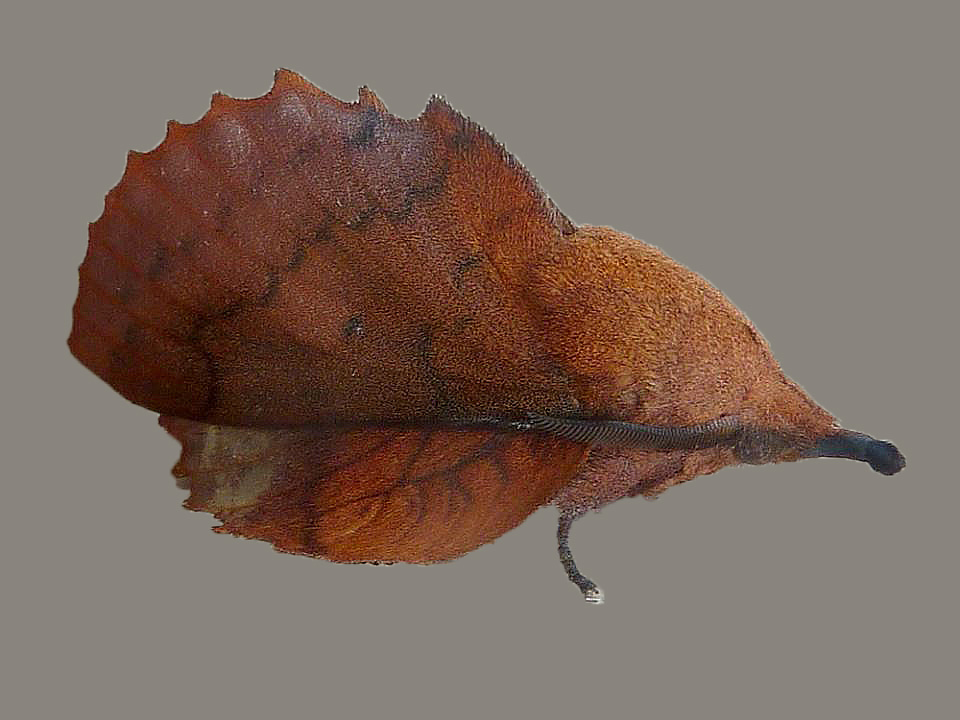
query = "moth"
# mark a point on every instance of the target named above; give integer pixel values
(379, 341)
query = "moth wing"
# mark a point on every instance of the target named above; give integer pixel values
(294, 259)
(418, 496)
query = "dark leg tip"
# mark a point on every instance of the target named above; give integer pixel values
(884, 457)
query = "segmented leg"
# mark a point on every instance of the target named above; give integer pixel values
(591, 593)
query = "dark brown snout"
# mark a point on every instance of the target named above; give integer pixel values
(884, 457)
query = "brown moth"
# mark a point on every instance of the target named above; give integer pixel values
(379, 341)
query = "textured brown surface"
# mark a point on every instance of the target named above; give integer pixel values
(296, 259)
(369, 495)
(316, 295)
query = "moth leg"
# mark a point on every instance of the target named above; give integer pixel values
(591, 593)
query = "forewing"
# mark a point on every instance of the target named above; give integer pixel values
(295, 259)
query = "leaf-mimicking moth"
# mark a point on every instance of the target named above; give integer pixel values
(378, 340)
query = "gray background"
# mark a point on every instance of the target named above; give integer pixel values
(802, 156)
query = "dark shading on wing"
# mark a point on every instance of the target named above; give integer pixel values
(294, 259)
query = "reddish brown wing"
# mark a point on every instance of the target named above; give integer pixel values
(369, 496)
(294, 259)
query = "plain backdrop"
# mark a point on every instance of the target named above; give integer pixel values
(801, 156)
